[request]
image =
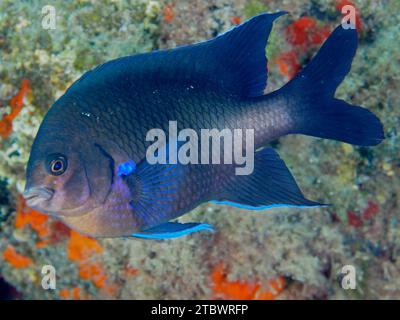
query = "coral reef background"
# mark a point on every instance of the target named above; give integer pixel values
(276, 254)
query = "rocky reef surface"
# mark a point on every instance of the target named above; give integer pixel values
(276, 254)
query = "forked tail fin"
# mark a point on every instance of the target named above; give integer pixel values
(311, 96)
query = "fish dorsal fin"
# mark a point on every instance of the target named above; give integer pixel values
(238, 56)
(233, 62)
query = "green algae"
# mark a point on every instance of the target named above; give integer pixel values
(253, 8)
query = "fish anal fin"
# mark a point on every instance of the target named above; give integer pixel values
(269, 185)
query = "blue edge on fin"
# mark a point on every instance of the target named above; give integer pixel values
(246, 207)
(172, 230)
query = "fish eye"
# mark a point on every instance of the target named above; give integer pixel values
(57, 164)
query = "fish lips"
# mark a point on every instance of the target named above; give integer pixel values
(36, 196)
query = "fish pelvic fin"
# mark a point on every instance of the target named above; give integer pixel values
(313, 107)
(171, 230)
(270, 185)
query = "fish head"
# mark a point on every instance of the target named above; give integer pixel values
(67, 175)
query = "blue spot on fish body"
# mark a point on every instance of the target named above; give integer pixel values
(126, 168)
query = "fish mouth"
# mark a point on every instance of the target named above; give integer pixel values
(37, 195)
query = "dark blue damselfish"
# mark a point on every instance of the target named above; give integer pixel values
(104, 118)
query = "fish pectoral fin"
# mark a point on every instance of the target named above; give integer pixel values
(172, 230)
(270, 185)
(154, 191)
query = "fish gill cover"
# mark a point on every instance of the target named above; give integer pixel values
(282, 253)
